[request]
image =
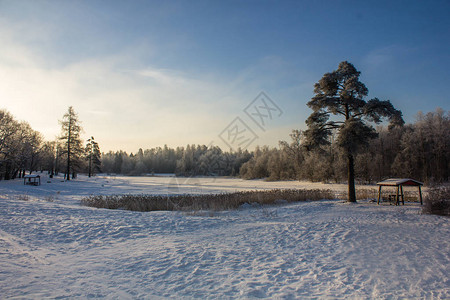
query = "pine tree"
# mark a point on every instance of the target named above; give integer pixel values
(340, 93)
(72, 144)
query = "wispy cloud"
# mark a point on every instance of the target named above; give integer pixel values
(125, 109)
(125, 102)
(387, 56)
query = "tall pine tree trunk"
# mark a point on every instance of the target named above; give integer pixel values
(90, 165)
(350, 166)
(56, 162)
(68, 168)
(351, 178)
(69, 137)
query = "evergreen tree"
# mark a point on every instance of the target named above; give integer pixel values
(93, 156)
(72, 144)
(340, 93)
(118, 160)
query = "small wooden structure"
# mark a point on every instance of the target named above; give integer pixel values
(32, 179)
(399, 183)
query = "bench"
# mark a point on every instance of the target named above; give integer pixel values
(396, 199)
(32, 180)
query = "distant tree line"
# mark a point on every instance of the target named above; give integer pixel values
(191, 160)
(23, 149)
(420, 150)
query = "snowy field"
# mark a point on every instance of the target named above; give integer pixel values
(51, 247)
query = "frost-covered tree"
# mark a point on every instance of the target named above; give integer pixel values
(425, 148)
(19, 147)
(48, 157)
(28, 147)
(8, 129)
(294, 150)
(72, 144)
(340, 93)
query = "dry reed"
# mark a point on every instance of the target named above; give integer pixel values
(216, 202)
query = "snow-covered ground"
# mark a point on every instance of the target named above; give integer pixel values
(52, 247)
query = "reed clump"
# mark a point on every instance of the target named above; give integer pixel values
(215, 202)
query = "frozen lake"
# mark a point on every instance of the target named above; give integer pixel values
(59, 190)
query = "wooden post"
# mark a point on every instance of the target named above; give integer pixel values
(379, 194)
(396, 196)
(403, 198)
(420, 195)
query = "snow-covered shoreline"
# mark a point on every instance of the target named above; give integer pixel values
(52, 247)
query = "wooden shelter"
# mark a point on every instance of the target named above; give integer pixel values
(32, 179)
(399, 183)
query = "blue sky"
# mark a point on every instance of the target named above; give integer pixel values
(149, 73)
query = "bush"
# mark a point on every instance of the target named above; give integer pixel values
(203, 202)
(437, 201)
